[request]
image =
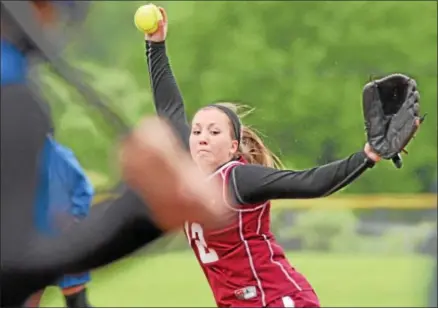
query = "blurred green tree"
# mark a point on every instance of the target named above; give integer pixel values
(301, 64)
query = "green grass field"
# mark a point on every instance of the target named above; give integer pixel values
(175, 280)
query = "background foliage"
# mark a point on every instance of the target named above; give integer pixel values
(301, 64)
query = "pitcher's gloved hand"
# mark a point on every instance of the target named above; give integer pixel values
(391, 108)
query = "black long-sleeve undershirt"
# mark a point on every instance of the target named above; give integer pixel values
(254, 184)
(251, 183)
(110, 232)
(165, 90)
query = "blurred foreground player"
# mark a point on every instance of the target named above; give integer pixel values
(156, 170)
(243, 263)
(70, 196)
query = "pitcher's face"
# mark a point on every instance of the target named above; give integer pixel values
(211, 141)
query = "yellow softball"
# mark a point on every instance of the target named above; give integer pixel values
(146, 18)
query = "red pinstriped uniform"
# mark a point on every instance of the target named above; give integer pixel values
(243, 263)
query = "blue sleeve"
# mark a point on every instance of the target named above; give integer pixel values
(67, 170)
(13, 64)
(64, 193)
(80, 188)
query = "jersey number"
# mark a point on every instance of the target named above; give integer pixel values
(196, 233)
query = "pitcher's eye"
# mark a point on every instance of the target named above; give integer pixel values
(215, 132)
(196, 132)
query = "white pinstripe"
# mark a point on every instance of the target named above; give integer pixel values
(251, 262)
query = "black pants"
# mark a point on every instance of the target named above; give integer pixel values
(23, 129)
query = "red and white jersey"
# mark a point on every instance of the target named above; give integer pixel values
(243, 263)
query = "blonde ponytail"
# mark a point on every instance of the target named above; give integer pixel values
(252, 148)
(255, 151)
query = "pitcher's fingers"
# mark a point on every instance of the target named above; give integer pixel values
(164, 14)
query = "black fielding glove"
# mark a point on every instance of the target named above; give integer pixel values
(391, 108)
